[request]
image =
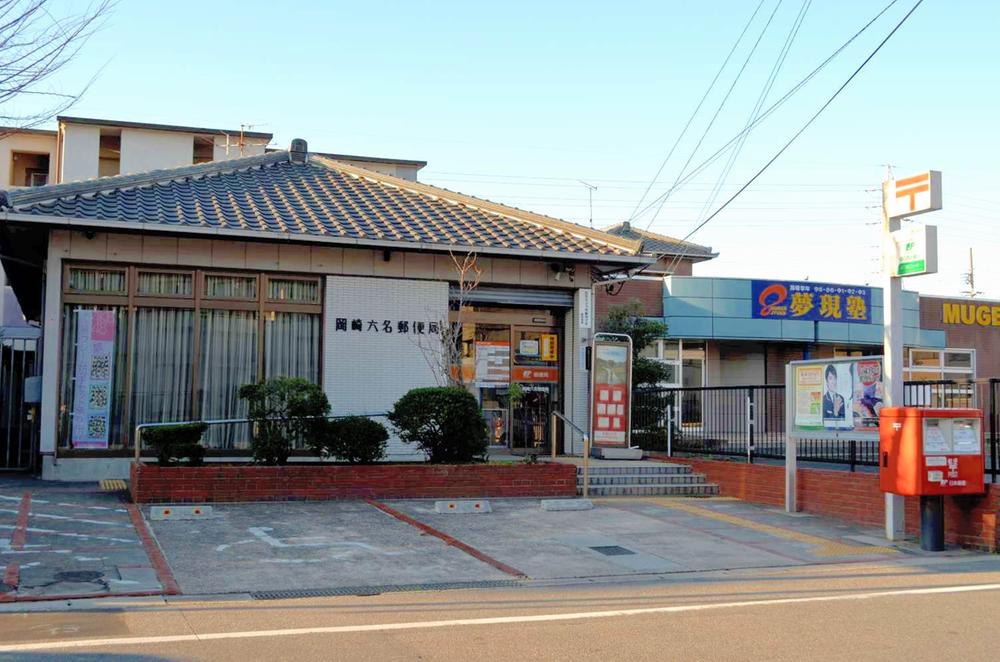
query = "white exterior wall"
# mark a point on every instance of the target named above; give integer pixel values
(144, 150)
(80, 150)
(394, 169)
(366, 372)
(251, 147)
(25, 142)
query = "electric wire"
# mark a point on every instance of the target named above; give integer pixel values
(798, 133)
(697, 108)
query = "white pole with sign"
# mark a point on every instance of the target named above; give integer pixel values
(907, 252)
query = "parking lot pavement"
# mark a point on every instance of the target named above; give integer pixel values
(315, 545)
(624, 536)
(59, 540)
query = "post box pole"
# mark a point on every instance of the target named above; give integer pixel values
(932, 523)
(892, 354)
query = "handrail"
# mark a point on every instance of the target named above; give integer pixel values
(569, 422)
(586, 448)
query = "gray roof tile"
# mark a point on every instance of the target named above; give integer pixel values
(316, 198)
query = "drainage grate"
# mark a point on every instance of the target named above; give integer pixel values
(79, 576)
(376, 590)
(612, 550)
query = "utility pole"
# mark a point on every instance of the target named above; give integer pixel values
(970, 279)
(892, 349)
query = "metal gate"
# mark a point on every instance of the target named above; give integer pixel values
(17, 424)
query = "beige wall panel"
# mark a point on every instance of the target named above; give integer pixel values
(506, 271)
(396, 266)
(326, 259)
(159, 250)
(535, 273)
(418, 265)
(359, 262)
(229, 254)
(291, 257)
(82, 248)
(125, 247)
(262, 256)
(194, 252)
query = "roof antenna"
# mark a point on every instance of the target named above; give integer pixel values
(590, 197)
(969, 278)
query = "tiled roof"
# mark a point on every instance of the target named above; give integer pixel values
(659, 244)
(310, 199)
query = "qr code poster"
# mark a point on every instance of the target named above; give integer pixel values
(93, 381)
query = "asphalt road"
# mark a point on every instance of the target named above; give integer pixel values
(912, 609)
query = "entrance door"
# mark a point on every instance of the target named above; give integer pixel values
(536, 370)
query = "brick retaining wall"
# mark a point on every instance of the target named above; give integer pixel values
(970, 521)
(212, 483)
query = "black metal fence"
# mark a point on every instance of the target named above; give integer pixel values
(749, 421)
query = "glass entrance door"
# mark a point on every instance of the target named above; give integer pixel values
(530, 432)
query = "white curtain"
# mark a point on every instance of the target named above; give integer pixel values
(291, 343)
(228, 361)
(162, 388)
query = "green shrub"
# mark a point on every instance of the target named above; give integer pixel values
(445, 421)
(283, 410)
(175, 442)
(354, 439)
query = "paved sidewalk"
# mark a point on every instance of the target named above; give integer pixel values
(61, 540)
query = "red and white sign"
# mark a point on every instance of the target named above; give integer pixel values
(611, 394)
(536, 374)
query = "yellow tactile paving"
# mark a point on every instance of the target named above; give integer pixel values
(824, 546)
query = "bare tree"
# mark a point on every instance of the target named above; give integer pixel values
(444, 353)
(35, 45)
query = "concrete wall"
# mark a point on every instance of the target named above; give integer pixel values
(10, 174)
(144, 150)
(365, 372)
(80, 148)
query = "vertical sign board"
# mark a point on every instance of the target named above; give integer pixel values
(611, 390)
(95, 356)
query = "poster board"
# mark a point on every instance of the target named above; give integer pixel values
(93, 378)
(836, 398)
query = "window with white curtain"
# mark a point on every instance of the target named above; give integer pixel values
(187, 339)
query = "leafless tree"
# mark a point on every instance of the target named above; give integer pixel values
(35, 45)
(444, 353)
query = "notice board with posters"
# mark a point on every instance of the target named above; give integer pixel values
(611, 391)
(842, 396)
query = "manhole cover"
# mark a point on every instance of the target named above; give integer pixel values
(79, 576)
(612, 550)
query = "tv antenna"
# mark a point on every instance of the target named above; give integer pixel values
(590, 199)
(969, 278)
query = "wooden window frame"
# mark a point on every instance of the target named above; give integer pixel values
(131, 300)
(268, 277)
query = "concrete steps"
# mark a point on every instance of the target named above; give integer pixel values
(645, 479)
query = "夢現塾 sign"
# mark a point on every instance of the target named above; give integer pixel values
(822, 302)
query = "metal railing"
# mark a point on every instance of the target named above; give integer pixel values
(749, 421)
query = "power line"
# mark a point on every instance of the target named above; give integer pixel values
(683, 132)
(704, 164)
(800, 131)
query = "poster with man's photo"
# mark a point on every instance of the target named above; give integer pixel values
(844, 395)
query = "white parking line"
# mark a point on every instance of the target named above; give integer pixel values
(81, 536)
(72, 519)
(464, 622)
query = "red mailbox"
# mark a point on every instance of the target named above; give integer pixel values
(931, 452)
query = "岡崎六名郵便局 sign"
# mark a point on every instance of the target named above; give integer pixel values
(822, 302)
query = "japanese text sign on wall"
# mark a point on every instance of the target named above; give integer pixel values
(823, 302)
(93, 378)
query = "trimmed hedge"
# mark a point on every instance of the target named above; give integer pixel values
(177, 442)
(445, 421)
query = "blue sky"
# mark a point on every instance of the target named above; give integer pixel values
(516, 101)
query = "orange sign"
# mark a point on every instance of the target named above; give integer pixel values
(909, 196)
(535, 374)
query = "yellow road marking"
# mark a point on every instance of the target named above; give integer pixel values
(824, 546)
(113, 485)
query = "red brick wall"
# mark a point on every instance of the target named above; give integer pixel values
(155, 484)
(970, 521)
